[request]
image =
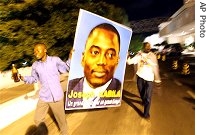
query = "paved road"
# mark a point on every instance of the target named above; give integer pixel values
(172, 113)
(12, 93)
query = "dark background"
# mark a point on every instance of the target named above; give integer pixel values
(144, 9)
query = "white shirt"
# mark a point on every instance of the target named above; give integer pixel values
(145, 65)
(93, 100)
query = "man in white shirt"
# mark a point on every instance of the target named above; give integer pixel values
(147, 72)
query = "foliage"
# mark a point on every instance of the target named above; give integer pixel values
(25, 22)
(136, 43)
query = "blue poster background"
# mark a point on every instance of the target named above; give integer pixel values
(86, 22)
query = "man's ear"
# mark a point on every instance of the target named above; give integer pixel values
(118, 60)
(83, 61)
(45, 50)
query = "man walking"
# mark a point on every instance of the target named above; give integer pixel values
(46, 70)
(147, 72)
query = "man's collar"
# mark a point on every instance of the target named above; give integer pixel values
(47, 57)
(87, 88)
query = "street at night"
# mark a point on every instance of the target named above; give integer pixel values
(172, 111)
(86, 46)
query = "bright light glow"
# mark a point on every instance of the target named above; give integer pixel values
(189, 40)
(183, 33)
(18, 107)
(15, 109)
(24, 63)
(154, 39)
(169, 35)
(192, 28)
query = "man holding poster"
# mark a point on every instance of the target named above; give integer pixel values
(98, 87)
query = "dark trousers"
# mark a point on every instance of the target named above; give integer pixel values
(145, 90)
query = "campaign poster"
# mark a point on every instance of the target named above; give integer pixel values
(98, 63)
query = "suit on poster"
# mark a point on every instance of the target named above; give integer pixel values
(76, 85)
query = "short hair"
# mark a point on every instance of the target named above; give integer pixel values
(109, 27)
(42, 44)
(145, 43)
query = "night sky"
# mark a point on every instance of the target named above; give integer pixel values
(146, 9)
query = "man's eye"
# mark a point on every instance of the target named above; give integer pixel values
(95, 52)
(110, 55)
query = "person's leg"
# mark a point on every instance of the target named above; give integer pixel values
(148, 98)
(141, 88)
(40, 112)
(59, 113)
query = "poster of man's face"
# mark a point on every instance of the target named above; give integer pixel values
(98, 63)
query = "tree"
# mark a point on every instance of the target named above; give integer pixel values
(136, 43)
(23, 23)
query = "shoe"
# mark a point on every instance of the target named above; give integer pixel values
(147, 117)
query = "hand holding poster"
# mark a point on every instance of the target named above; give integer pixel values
(98, 63)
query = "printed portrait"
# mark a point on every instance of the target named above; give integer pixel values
(98, 63)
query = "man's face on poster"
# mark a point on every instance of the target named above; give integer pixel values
(101, 57)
